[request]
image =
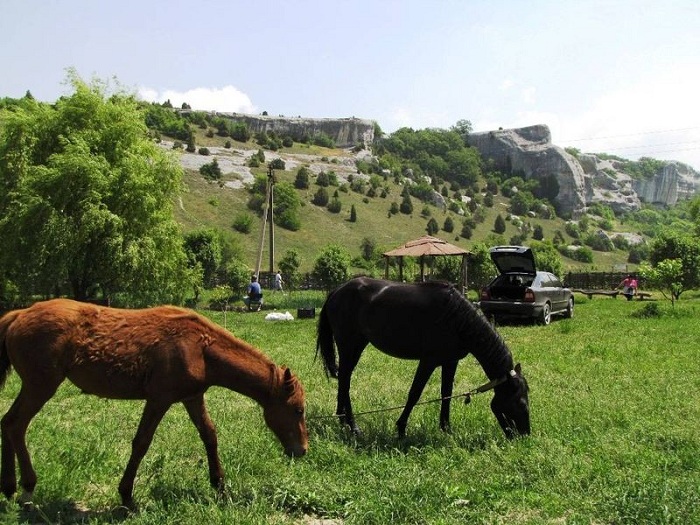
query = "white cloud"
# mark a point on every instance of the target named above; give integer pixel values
(225, 99)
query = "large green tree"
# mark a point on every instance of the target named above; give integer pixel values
(86, 200)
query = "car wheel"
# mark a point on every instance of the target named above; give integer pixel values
(546, 315)
(570, 308)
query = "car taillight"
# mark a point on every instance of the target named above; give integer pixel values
(485, 295)
(529, 296)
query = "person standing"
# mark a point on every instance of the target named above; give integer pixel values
(278, 281)
(629, 287)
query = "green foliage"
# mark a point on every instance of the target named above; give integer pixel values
(277, 164)
(681, 247)
(166, 121)
(449, 224)
(332, 266)
(211, 170)
(547, 257)
(321, 197)
(301, 181)
(353, 213)
(243, 223)
(665, 276)
(289, 266)
(203, 151)
(204, 249)
(538, 232)
(334, 205)
(499, 225)
(406, 206)
(322, 179)
(432, 227)
(435, 152)
(73, 216)
(287, 204)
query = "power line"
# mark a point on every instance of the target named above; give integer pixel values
(632, 134)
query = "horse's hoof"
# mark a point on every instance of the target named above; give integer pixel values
(401, 431)
(9, 489)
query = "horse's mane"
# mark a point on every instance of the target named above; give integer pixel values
(488, 347)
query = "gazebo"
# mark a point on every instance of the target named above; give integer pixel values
(423, 248)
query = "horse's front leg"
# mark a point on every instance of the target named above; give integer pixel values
(153, 412)
(199, 416)
(448, 376)
(423, 373)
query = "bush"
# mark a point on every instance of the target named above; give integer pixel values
(334, 206)
(277, 164)
(321, 197)
(243, 223)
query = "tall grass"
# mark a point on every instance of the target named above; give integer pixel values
(615, 437)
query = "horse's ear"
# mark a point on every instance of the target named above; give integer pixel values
(518, 369)
(289, 381)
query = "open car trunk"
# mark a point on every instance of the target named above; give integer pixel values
(510, 287)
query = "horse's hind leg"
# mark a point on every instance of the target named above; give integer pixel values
(199, 416)
(153, 412)
(423, 373)
(347, 361)
(14, 431)
(448, 377)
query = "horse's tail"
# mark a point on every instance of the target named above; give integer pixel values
(5, 365)
(325, 345)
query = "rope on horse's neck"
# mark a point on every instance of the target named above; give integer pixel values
(478, 390)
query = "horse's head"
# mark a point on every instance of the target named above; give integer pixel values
(510, 405)
(284, 414)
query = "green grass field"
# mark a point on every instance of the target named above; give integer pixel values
(615, 438)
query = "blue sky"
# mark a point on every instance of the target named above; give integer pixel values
(620, 77)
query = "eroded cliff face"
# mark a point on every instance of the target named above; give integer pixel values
(345, 132)
(573, 183)
(529, 151)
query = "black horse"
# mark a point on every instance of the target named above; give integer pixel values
(430, 322)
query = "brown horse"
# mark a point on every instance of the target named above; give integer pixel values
(163, 355)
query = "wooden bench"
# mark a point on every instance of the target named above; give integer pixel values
(610, 293)
(591, 293)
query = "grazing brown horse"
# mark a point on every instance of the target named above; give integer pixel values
(430, 322)
(164, 355)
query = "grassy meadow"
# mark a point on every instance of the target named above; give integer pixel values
(616, 440)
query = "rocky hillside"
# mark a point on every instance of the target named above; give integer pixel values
(575, 182)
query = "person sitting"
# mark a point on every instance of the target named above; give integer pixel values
(254, 295)
(629, 286)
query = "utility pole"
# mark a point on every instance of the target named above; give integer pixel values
(268, 216)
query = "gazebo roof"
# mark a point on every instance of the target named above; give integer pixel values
(426, 245)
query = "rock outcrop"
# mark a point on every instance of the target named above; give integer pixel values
(574, 183)
(345, 132)
(529, 152)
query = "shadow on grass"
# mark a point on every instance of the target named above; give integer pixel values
(383, 437)
(61, 511)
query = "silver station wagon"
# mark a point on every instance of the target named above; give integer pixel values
(520, 291)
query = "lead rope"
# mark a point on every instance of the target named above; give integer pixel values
(466, 395)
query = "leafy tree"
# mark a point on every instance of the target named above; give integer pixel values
(204, 249)
(682, 247)
(481, 269)
(277, 164)
(499, 225)
(331, 267)
(87, 198)
(547, 257)
(286, 206)
(334, 206)
(368, 249)
(666, 276)
(322, 179)
(289, 266)
(353, 213)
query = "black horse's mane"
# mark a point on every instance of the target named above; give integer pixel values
(488, 347)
